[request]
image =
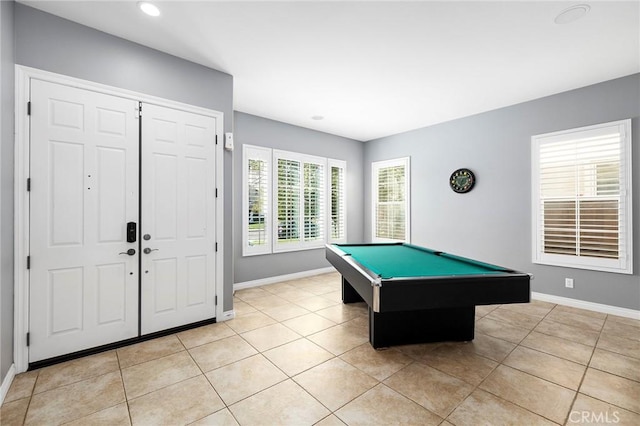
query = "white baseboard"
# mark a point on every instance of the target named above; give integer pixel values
(228, 315)
(280, 278)
(590, 306)
(6, 382)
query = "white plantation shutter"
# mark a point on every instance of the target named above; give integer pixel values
(287, 201)
(256, 195)
(337, 201)
(391, 200)
(313, 201)
(582, 197)
(299, 201)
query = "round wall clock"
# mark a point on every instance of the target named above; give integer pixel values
(462, 180)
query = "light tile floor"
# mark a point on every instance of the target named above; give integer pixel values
(295, 355)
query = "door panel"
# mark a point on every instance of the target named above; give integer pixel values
(65, 300)
(111, 194)
(112, 283)
(196, 280)
(84, 174)
(196, 198)
(66, 201)
(165, 295)
(162, 197)
(178, 176)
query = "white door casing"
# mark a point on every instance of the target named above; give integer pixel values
(24, 286)
(84, 190)
(178, 218)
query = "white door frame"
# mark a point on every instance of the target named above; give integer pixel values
(21, 200)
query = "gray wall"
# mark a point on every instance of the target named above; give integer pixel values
(54, 44)
(6, 185)
(493, 221)
(253, 130)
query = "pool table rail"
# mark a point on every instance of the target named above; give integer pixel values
(420, 309)
(429, 292)
(352, 271)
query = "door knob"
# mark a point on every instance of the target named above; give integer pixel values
(130, 252)
(149, 250)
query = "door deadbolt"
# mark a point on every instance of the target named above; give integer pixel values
(146, 237)
(131, 232)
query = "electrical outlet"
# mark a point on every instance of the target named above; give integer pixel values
(568, 282)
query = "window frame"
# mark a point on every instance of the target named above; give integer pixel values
(271, 156)
(342, 165)
(302, 244)
(263, 154)
(376, 166)
(624, 263)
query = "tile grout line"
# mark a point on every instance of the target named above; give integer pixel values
(124, 389)
(595, 345)
(201, 373)
(477, 387)
(26, 412)
(606, 372)
(334, 356)
(292, 378)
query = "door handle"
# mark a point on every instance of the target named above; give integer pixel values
(148, 250)
(130, 252)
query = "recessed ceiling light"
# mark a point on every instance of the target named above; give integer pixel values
(572, 14)
(317, 117)
(149, 8)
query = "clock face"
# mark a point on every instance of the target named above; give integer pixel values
(462, 180)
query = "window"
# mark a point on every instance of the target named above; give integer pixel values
(582, 198)
(256, 189)
(337, 202)
(390, 188)
(305, 193)
(299, 201)
(288, 200)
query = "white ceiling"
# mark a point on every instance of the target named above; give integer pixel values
(375, 68)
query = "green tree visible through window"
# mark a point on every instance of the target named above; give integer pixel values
(257, 185)
(312, 201)
(288, 200)
(391, 202)
(337, 198)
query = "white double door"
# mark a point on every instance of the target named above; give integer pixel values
(122, 219)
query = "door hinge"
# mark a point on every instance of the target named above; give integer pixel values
(216, 246)
(216, 300)
(216, 139)
(29, 108)
(216, 192)
(28, 339)
(28, 184)
(139, 109)
(28, 262)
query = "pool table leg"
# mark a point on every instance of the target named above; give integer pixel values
(349, 294)
(429, 325)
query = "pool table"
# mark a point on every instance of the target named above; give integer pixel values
(418, 295)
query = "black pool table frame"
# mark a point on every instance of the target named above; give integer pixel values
(424, 309)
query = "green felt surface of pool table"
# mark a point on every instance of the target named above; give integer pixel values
(405, 260)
